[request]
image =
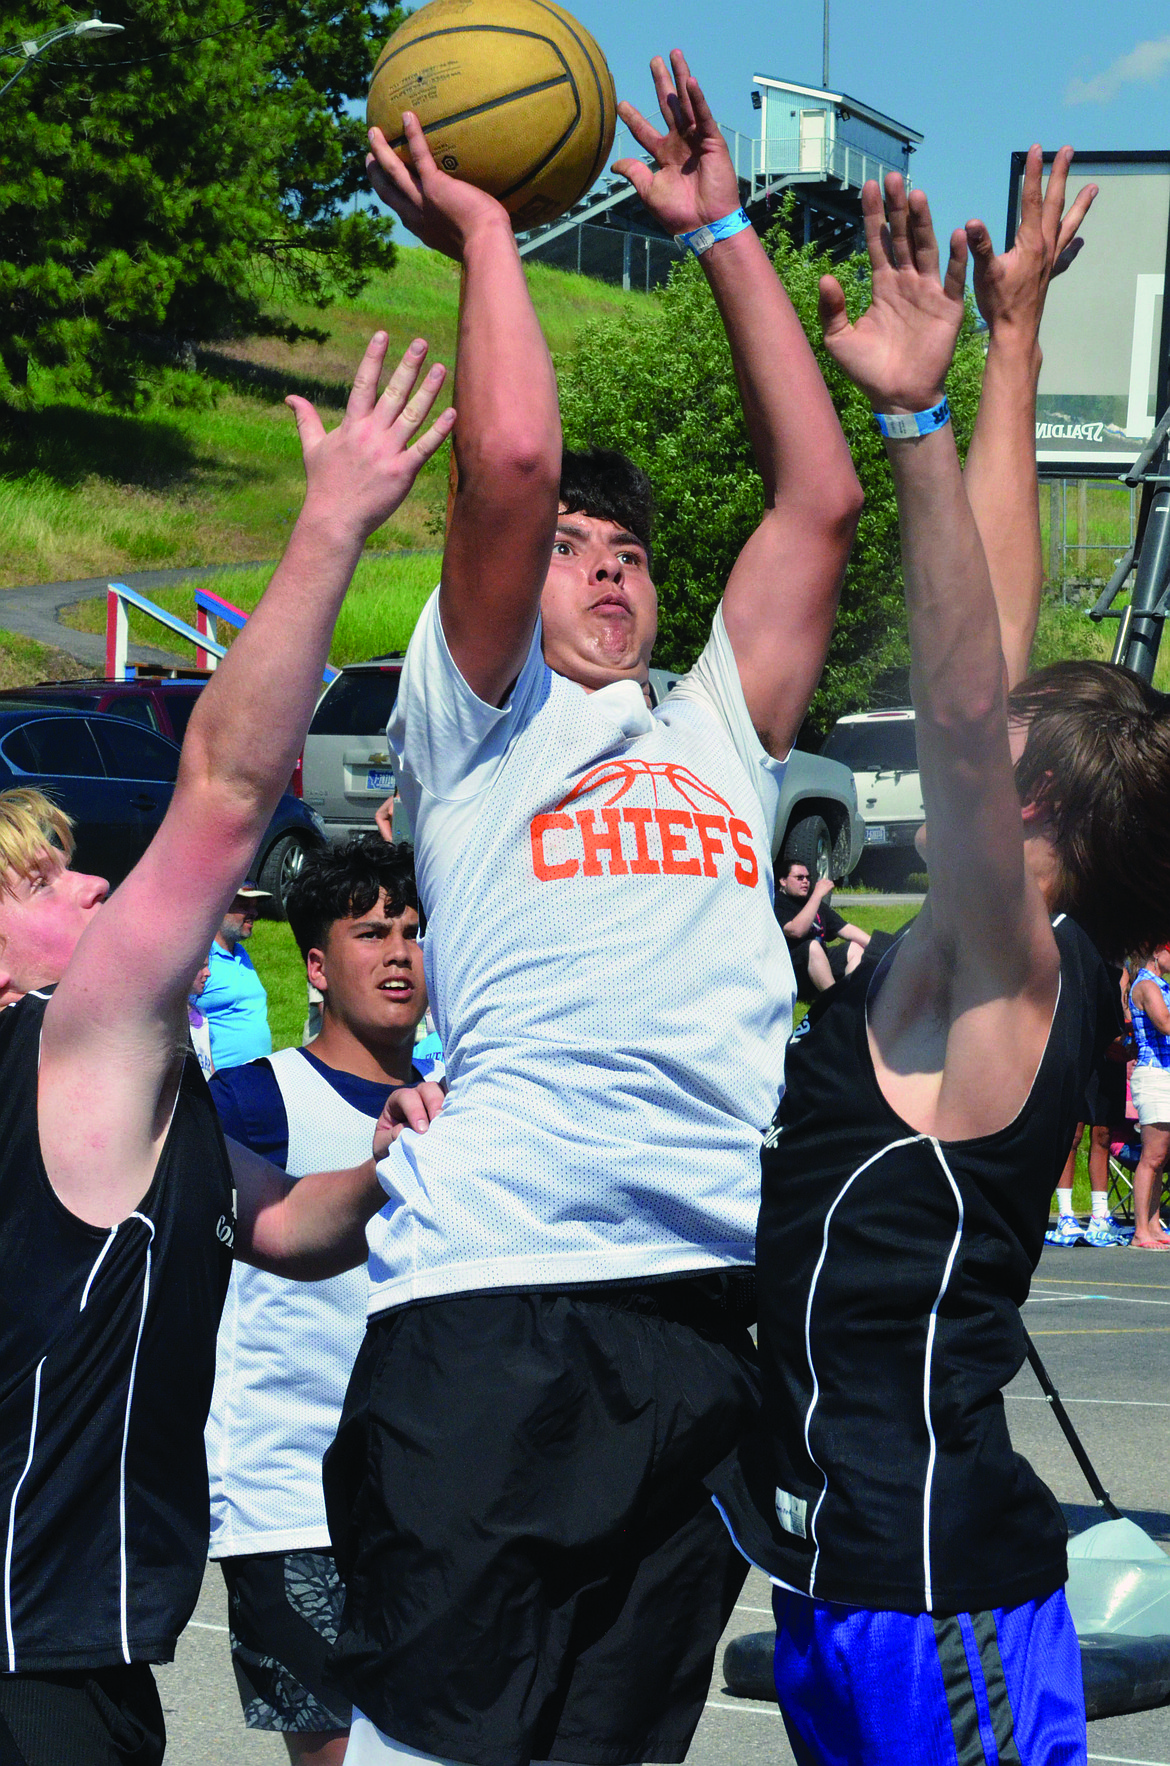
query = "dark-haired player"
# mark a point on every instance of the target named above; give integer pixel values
(930, 1103)
(532, 1568)
(286, 1349)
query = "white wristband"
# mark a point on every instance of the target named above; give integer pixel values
(908, 427)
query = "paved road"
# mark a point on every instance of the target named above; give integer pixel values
(1098, 1319)
(32, 612)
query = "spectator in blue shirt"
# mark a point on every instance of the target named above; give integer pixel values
(234, 1001)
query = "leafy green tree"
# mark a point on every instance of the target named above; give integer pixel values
(661, 387)
(158, 188)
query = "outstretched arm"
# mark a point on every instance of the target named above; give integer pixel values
(508, 437)
(306, 1229)
(1001, 463)
(782, 594)
(115, 1029)
(986, 922)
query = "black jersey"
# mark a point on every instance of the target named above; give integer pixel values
(891, 1269)
(107, 1358)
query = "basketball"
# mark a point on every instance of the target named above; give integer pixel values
(513, 95)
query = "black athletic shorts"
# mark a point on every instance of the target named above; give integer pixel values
(1105, 1095)
(283, 1612)
(533, 1567)
(88, 1717)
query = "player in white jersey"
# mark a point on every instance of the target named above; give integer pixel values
(285, 1348)
(555, 1357)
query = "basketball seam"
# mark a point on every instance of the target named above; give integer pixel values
(461, 116)
(566, 23)
(597, 158)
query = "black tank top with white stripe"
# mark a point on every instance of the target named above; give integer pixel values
(891, 1270)
(107, 1357)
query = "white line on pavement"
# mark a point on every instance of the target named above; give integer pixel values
(766, 1610)
(1122, 1760)
(1071, 1299)
(1140, 1403)
(200, 1625)
(765, 1711)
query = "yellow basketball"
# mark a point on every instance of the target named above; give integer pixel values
(513, 95)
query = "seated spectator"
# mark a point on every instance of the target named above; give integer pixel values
(286, 1348)
(234, 1001)
(809, 925)
(198, 1029)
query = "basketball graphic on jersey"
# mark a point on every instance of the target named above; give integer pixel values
(685, 829)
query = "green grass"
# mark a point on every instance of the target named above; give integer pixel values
(23, 661)
(377, 615)
(217, 478)
(278, 963)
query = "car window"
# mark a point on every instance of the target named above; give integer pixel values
(874, 748)
(357, 704)
(179, 709)
(131, 753)
(130, 706)
(60, 745)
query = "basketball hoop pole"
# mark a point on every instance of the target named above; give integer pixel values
(1140, 631)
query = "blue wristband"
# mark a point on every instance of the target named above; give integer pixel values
(910, 427)
(703, 238)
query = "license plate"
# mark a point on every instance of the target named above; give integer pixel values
(379, 781)
(876, 836)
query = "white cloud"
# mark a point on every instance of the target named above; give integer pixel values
(1145, 63)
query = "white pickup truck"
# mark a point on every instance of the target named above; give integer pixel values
(879, 749)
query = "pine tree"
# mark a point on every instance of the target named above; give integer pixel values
(159, 188)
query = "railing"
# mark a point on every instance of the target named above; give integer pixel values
(786, 157)
(210, 608)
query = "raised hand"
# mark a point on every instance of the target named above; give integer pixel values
(694, 181)
(440, 210)
(900, 349)
(359, 473)
(1010, 288)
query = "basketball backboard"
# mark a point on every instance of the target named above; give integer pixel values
(1106, 329)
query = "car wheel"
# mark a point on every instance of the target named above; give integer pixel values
(283, 864)
(808, 842)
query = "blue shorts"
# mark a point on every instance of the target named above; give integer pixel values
(861, 1688)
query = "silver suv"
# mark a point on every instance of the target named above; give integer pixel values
(347, 770)
(348, 773)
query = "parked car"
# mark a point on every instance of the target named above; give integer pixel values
(157, 702)
(160, 702)
(880, 750)
(114, 779)
(346, 767)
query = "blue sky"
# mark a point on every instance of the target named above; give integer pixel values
(976, 80)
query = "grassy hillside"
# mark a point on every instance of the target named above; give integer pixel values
(209, 472)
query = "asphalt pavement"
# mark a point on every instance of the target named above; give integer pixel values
(1098, 1319)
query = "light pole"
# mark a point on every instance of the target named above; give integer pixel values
(825, 53)
(85, 27)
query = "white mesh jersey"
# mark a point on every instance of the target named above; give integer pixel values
(285, 1353)
(606, 972)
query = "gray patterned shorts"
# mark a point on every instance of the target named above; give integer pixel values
(284, 1609)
